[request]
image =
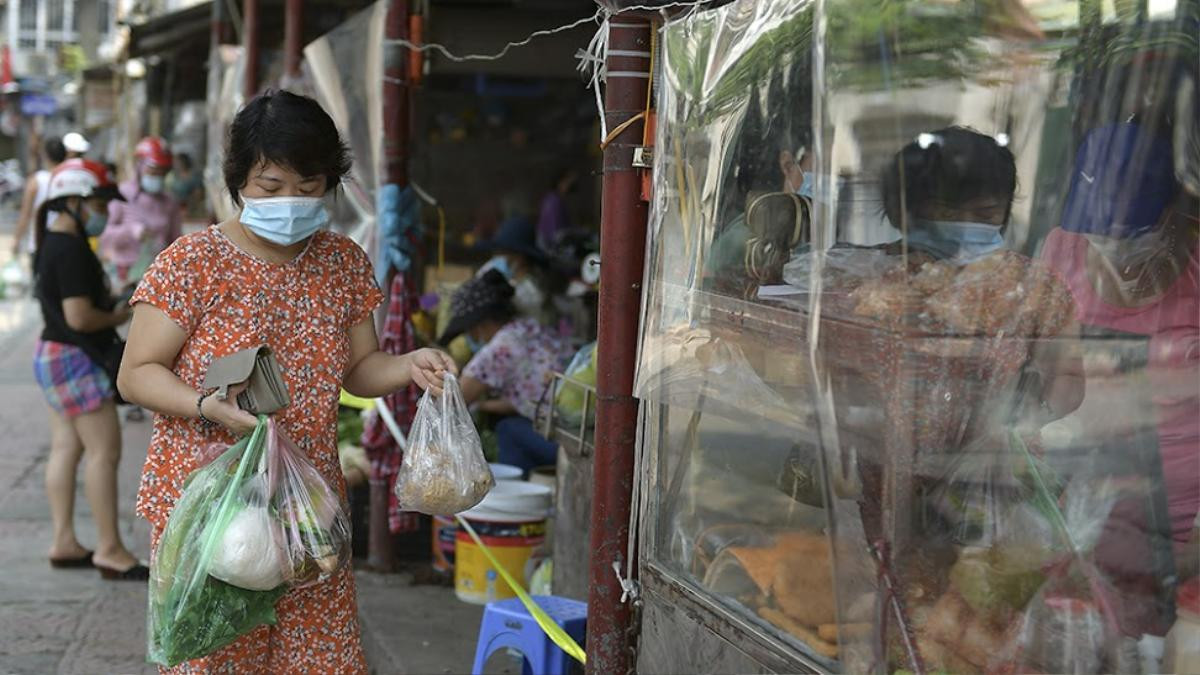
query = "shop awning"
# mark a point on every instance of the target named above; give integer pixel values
(168, 32)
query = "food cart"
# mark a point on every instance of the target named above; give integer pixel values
(863, 451)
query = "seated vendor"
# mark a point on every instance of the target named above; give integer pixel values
(726, 266)
(514, 360)
(516, 255)
(950, 192)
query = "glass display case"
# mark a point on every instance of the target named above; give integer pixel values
(920, 354)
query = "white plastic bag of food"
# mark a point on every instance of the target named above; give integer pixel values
(444, 471)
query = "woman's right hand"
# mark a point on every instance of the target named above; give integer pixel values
(227, 413)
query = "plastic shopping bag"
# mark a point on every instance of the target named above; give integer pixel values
(444, 471)
(1070, 623)
(314, 522)
(570, 395)
(254, 522)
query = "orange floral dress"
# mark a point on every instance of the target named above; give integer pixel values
(228, 300)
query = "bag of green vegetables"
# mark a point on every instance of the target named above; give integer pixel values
(256, 521)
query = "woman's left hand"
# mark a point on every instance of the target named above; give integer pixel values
(429, 368)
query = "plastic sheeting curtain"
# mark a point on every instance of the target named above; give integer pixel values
(346, 69)
(922, 317)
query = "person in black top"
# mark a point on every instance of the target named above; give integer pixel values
(75, 363)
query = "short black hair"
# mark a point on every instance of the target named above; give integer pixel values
(954, 165)
(184, 159)
(287, 129)
(54, 150)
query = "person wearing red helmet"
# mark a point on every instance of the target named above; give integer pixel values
(149, 219)
(74, 364)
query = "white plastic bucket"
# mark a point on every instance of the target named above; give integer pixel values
(505, 472)
(445, 528)
(511, 521)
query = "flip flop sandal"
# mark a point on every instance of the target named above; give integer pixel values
(138, 572)
(82, 562)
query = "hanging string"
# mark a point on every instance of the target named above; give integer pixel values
(461, 58)
(645, 114)
(592, 58)
(600, 16)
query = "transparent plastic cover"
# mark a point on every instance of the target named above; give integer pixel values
(922, 317)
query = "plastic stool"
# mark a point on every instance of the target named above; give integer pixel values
(506, 623)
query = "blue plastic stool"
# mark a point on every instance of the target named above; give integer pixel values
(506, 623)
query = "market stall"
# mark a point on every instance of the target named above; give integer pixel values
(902, 411)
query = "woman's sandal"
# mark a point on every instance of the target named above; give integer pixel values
(138, 572)
(82, 562)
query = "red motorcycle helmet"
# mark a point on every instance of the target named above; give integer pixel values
(153, 151)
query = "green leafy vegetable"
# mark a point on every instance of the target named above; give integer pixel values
(215, 615)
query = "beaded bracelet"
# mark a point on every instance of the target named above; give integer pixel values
(200, 409)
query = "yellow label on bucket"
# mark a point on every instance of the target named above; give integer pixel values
(476, 578)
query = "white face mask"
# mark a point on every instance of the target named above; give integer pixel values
(152, 184)
(957, 240)
(528, 298)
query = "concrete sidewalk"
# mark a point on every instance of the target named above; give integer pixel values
(73, 622)
(57, 621)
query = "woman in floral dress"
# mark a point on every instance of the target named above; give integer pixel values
(271, 276)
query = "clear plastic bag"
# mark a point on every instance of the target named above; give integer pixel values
(444, 471)
(1066, 626)
(1023, 594)
(254, 522)
(313, 521)
(571, 395)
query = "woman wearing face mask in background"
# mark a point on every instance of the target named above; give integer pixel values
(787, 172)
(1128, 248)
(525, 265)
(950, 194)
(275, 276)
(80, 318)
(514, 357)
(148, 220)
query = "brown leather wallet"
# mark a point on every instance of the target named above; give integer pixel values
(266, 391)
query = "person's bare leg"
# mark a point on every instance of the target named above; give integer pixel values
(61, 466)
(100, 431)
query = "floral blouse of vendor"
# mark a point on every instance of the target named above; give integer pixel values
(272, 275)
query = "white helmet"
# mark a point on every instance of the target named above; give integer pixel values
(75, 142)
(81, 178)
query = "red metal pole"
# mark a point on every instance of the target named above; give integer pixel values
(395, 95)
(622, 255)
(250, 44)
(293, 33)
